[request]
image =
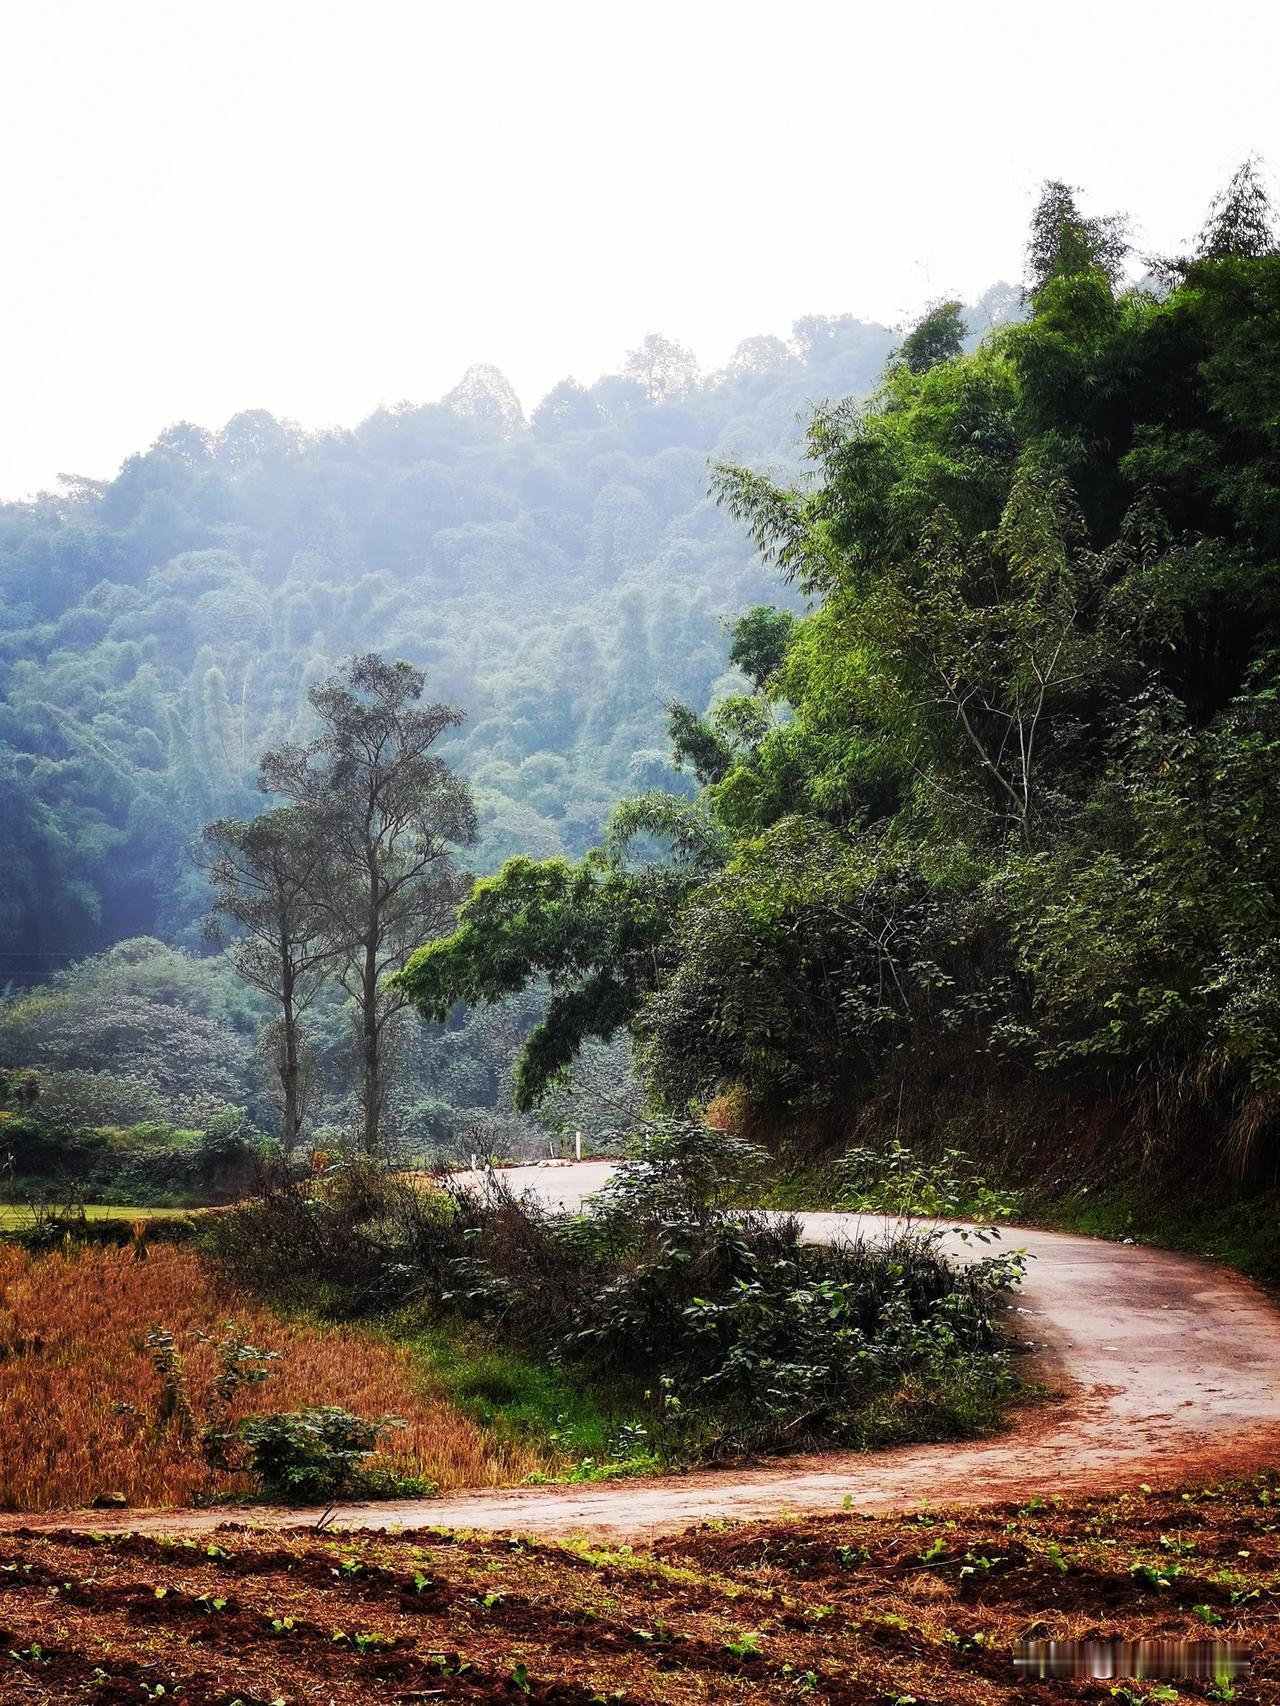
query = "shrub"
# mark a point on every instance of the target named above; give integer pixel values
(895, 1180)
(314, 1455)
(745, 1337)
(148, 1162)
(19, 1088)
(79, 1098)
(738, 1334)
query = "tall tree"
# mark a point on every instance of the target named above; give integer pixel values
(266, 874)
(1241, 220)
(938, 335)
(390, 812)
(1064, 243)
(666, 369)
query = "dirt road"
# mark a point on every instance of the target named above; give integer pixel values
(1161, 1366)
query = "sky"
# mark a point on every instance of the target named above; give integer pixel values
(319, 207)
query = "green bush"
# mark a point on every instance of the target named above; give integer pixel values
(722, 1329)
(312, 1456)
(54, 1228)
(895, 1180)
(149, 1163)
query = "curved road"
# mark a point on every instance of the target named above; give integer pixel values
(1159, 1367)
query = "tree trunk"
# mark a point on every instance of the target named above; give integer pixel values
(289, 1071)
(370, 1061)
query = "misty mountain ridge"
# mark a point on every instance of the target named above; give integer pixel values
(559, 578)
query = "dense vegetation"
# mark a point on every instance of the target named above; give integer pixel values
(703, 1330)
(980, 840)
(558, 579)
(990, 846)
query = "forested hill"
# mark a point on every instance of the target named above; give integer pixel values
(557, 577)
(989, 852)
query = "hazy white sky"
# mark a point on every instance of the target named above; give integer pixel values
(314, 206)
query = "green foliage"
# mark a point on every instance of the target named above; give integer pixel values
(313, 1456)
(798, 969)
(697, 746)
(360, 867)
(894, 1180)
(1003, 795)
(239, 1364)
(174, 1408)
(592, 930)
(937, 336)
(719, 1331)
(57, 1153)
(1064, 243)
(1156, 937)
(759, 642)
(745, 1337)
(1007, 794)
(19, 1089)
(1241, 221)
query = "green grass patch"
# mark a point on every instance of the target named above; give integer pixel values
(586, 1434)
(16, 1217)
(1243, 1234)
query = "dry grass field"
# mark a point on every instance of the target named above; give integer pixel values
(78, 1392)
(846, 1610)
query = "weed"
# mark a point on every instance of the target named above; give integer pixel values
(746, 1647)
(1157, 1578)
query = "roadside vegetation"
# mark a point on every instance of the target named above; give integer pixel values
(985, 855)
(347, 1332)
(704, 1330)
(86, 1412)
(1241, 1229)
(852, 1610)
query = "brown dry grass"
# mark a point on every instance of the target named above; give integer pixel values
(71, 1350)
